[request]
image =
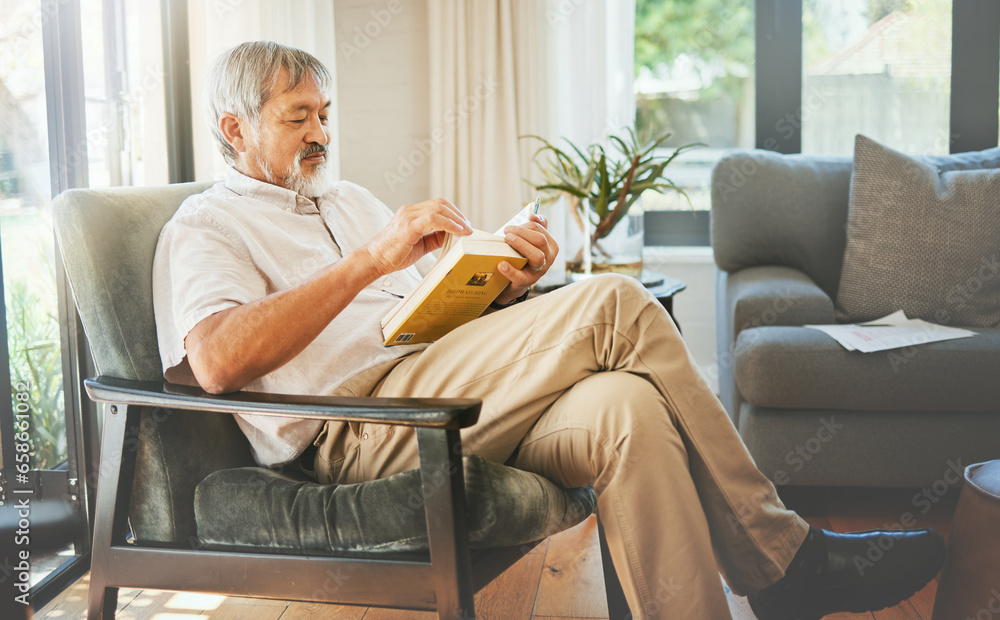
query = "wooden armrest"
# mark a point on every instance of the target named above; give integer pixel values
(445, 413)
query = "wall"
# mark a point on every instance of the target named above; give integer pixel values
(383, 96)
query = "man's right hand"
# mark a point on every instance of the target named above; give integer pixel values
(414, 231)
(232, 347)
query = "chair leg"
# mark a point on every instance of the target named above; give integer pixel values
(443, 478)
(102, 602)
(113, 495)
(617, 605)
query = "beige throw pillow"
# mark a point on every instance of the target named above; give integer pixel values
(923, 235)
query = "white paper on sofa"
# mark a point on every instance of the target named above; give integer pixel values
(890, 332)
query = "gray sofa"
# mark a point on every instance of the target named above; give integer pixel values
(810, 412)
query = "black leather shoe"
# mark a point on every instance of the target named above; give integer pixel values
(855, 572)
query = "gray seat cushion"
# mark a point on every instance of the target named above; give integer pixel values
(256, 507)
(798, 367)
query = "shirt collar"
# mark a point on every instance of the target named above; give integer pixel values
(269, 193)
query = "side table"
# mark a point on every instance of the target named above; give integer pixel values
(662, 286)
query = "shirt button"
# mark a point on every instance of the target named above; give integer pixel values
(289, 209)
(387, 283)
(364, 436)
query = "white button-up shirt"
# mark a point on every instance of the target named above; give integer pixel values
(243, 239)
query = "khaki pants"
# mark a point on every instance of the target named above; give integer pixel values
(592, 385)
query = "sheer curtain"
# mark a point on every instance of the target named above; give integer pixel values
(219, 25)
(500, 69)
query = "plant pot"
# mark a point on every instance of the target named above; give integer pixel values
(619, 251)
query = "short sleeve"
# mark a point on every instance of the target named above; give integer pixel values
(199, 269)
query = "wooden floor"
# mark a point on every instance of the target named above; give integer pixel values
(561, 578)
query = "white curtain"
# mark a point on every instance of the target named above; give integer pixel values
(217, 25)
(501, 69)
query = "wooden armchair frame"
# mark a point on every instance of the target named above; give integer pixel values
(444, 581)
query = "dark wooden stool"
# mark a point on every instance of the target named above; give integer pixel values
(970, 580)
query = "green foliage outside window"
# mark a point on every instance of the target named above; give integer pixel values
(34, 349)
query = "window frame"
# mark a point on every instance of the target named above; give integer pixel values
(778, 74)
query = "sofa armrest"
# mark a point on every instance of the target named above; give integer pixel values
(442, 413)
(772, 295)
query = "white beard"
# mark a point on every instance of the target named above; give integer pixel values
(315, 185)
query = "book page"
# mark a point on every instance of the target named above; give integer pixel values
(520, 218)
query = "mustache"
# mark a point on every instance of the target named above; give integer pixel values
(312, 149)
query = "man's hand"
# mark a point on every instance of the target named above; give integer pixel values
(414, 231)
(536, 244)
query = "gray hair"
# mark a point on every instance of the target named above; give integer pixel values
(242, 80)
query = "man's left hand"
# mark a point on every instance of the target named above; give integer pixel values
(535, 243)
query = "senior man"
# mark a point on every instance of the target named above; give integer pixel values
(275, 280)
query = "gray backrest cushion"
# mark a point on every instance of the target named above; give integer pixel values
(790, 210)
(107, 238)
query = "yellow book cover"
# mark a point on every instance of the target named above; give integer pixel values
(459, 288)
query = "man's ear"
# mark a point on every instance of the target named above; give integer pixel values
(232, 129)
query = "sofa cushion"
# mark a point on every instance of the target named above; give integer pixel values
(257, 507)
(923, 235)
(798, 367)
(771, 209)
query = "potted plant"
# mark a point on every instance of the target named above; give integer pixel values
(601, 188)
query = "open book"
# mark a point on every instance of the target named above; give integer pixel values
(460, 286)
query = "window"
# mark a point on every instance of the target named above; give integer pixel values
(81, 103)
(819, 72)
(28, 258)
(123, 82)
(880, 68)
(694, 62)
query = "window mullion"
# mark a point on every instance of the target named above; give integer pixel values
(778, 70)
(975, 75)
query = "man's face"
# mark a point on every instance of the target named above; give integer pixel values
(290, 148)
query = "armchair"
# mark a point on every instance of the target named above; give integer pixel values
(810, 412)
(181, 505)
